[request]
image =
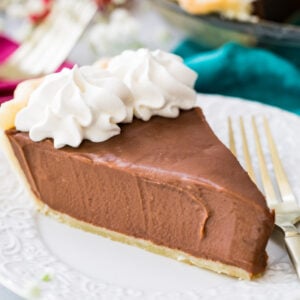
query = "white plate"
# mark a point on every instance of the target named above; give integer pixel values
(86, 266)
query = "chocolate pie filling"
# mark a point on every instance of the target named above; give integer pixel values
(170, 181)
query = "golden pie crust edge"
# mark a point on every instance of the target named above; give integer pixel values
(232, 9)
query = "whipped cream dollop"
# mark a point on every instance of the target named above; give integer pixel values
(89, 102)
(159, 82)
(72, 105)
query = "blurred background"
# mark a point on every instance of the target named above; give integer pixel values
(117, 25)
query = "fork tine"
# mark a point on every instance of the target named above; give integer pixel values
(54, 46)
(33, 59)
(50, 43)
(247, 156)
(287, 214)
(86, 13)
(30, 43)
(231, 137)
(265, 177)
(282, 180)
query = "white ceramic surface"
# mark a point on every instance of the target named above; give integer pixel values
(85, 266)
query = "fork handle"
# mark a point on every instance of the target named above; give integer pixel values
(292, 242)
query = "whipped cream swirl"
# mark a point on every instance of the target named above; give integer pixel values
(77, 104)
(159, 82)
(89, 102)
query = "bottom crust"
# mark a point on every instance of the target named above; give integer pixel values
(145, 244)
(116, 236)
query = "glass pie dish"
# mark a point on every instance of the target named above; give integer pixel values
(213, 30)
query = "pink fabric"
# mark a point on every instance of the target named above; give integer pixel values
(7, 47)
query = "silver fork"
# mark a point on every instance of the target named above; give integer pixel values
(287, 211)
(51, 42)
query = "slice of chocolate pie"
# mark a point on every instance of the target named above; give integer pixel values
(167, 185)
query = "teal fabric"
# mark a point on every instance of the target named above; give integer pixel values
(250, 73)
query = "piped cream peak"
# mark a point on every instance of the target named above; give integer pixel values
(89, 102)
